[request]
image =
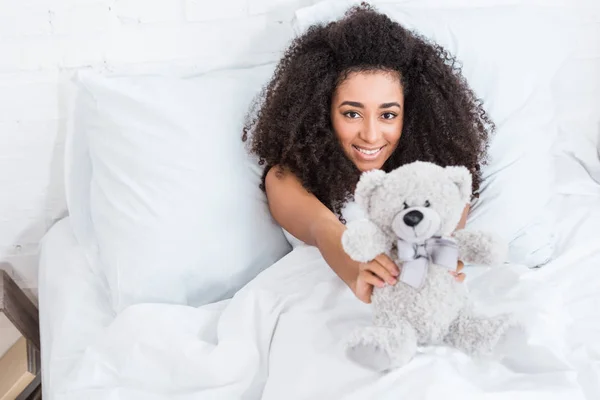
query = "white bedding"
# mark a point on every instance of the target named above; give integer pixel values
(281, 337)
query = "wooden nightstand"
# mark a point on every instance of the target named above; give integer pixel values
(23, 314)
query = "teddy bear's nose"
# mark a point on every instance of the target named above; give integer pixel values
(412, 218)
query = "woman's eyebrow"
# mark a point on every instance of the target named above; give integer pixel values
(389, 105)
(360, 105)
(352, 104)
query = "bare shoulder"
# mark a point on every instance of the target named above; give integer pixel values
(276, 172)
(278, 175)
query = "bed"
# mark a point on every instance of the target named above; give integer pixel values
(129, 308)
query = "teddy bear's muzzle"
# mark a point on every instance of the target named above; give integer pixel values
(416, 224)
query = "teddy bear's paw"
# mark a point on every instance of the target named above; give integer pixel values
(481, 247)
(370, 355)
(363, 241)
(382, 348)
(478, 335)
(492, 330)
(495, 249)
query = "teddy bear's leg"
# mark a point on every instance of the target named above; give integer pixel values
(475, 334)
(381, 348)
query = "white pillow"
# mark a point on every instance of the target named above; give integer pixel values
(509, 54)
(162, 193)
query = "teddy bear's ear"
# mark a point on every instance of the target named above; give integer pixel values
(368, 182)
(463, 179)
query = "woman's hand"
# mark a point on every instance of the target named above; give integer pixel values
(381, 271)
(460, 276)
(378, 272)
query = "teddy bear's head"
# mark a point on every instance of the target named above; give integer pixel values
(415, 201)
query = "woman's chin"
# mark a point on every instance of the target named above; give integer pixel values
(364, 166)
(366, 163)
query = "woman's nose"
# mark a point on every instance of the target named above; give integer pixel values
(369, 132)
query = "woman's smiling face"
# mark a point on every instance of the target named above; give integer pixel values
(367, 112)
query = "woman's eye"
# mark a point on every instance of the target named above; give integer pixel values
(389, 116)
(351, 114)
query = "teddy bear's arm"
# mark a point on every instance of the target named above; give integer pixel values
(363, 241)
(476, 247)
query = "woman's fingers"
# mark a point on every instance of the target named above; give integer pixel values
(459, 275)
(364, 285)
(370, 278)
(382, 272)
(388, 264)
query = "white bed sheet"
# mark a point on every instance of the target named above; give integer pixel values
(281, 337)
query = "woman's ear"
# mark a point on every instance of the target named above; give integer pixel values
(463, 179)
(368, 182)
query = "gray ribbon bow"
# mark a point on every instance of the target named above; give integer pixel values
(417, 257)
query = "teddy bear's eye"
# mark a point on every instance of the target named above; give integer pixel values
(405, 205)
(427, 204)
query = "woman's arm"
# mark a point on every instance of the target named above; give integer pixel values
(308, 219)
(461, 224)
(463, 218)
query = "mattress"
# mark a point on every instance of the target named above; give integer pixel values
(281, 337)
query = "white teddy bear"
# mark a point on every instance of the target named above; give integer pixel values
(411, 215)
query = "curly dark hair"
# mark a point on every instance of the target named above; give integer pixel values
(289, 124)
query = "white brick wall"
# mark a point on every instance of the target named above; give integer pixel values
(43, 41)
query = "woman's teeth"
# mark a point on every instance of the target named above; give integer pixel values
(368, 152)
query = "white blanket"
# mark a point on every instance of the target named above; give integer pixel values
(282, 336)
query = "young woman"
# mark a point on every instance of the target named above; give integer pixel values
(353, 95)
